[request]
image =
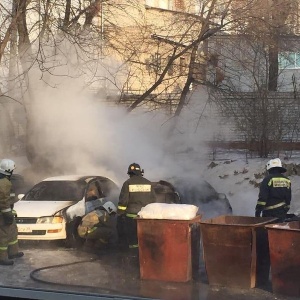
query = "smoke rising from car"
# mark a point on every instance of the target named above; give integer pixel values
(79, 133)
(73, 131)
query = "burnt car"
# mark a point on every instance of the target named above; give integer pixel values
(201, 194)
(194, 191)
(166, 192)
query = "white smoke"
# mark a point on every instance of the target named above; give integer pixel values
(77, 132)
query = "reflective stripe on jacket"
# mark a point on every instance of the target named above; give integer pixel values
(275, 192)
(136, 193)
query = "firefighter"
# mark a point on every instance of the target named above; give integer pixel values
(98, 227)
(136, 193)
(275, 192)
(9, 247)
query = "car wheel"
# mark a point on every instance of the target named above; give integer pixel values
(73, 240)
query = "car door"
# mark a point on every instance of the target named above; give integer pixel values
(109, 189)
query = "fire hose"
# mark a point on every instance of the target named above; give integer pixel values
(112, 292)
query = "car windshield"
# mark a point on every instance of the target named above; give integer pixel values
(56, 191)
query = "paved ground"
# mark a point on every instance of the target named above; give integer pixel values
(109, 273)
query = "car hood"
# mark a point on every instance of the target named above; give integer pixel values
(31, 209)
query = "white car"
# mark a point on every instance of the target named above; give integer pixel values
(52, 209)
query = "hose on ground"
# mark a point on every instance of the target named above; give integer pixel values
(113, 293)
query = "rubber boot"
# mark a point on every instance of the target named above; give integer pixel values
(13, 251)
(6, 262)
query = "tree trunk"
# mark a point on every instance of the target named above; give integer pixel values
(273, 67)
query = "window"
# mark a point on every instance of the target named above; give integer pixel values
(154, 63)
(179, 5)
(56, 191)
(182, 65)
(289, 60)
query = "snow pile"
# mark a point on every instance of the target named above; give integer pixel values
(168, 211)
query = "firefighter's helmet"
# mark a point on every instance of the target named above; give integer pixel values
(7, 166)
(135, 169)
(275, 163)
(110, 207)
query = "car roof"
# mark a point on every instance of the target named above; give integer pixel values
(72, 177)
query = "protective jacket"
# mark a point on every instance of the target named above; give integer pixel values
(5, 197)
(8, 232)
(136, 193)
(274, 196)
(98, 228)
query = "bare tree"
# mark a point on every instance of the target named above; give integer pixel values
(264, 121)
(156, 50)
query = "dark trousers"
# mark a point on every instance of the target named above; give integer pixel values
(127, 232)
(280, 213)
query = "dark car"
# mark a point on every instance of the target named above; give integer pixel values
(203, 195)
(166, 192)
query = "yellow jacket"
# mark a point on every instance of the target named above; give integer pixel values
(5, 199)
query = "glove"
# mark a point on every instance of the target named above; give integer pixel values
(8, 218)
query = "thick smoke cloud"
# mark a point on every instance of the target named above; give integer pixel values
(80, 132)
(76, 131)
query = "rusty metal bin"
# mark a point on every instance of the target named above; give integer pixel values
(284, 244)
(169, 250)
(235, 250)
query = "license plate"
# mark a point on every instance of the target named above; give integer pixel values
(24, 229)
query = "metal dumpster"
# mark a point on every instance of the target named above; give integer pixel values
(235, 250)
(169, 250)
(284, 244)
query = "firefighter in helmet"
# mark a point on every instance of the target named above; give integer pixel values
(136, 193)
(9, 248)
(275, 192)
(98, 227)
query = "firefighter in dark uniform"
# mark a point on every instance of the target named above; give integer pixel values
(275, 192)
(9, 247)
(136, 193)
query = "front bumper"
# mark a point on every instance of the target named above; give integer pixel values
(42, 231)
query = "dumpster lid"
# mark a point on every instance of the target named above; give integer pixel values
(292, 226)
(239, 220)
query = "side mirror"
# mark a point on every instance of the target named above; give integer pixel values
(20, 196)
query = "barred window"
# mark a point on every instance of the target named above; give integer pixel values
(289, 60)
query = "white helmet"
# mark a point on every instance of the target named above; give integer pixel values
(7, 166)
(275, 163)
(110, 207)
